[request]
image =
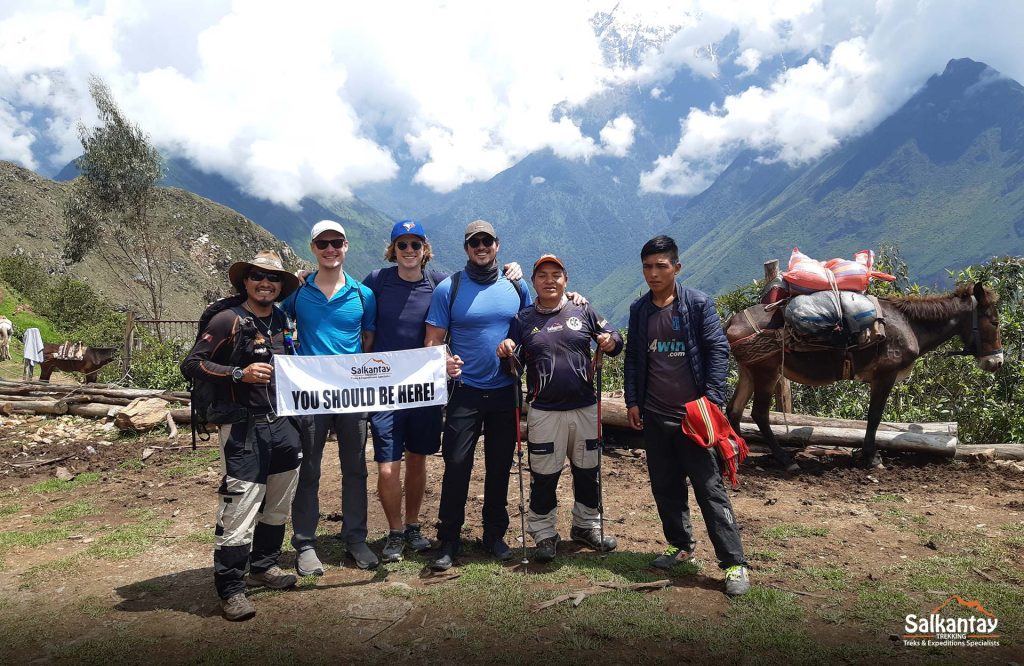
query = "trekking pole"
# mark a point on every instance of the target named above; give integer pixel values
(516, 370)
(598, 363)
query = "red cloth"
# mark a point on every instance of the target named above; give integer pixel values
(707, 425)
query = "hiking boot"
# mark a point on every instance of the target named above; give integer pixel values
(546, 549)
(414, 537)
(446, 556)
(308, 564)
(671, 557)
(591, 536)
(238, 607)
(393, 548)
(737, 583)
(274, 578)
(361, 554)
(499, 549)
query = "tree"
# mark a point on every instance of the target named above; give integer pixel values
(106, 211)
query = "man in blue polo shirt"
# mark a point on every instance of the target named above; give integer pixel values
(334, 314)
(484, 397)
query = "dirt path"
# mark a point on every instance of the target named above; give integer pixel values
(115, 565)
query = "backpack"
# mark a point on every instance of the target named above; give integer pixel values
(203, 395)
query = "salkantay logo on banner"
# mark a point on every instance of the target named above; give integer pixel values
(373, 368)
(941, 629)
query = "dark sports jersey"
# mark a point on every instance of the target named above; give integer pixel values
(556, 352)
(210, 356)
(670, 382)
(401, 308)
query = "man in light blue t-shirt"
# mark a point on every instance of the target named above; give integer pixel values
(334, 314)
(483, 397)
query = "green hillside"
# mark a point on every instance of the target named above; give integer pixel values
(205, 239)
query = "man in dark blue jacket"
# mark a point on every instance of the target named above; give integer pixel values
(676, 352)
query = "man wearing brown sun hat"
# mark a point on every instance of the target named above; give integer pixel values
(260, 452)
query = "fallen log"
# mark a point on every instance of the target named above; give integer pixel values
(615, 414)
(34, 407)
(778, 418)
(94, 410)
(998, 451)
(912, 442)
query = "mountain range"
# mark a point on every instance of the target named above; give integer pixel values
(941, 178)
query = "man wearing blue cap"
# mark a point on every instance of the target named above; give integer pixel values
(403, 294)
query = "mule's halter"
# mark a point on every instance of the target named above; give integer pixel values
(971, 349)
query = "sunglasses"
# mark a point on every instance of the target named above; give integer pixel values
(416, 245)
(477, 241)
(336, 243)
(260, 276)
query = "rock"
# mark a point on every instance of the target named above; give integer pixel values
(147, 452)
(142, 415)
(63, 474)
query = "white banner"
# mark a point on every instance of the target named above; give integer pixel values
(372, 382)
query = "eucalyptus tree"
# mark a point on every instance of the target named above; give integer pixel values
(108, 208)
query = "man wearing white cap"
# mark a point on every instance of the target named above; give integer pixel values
(335, 314)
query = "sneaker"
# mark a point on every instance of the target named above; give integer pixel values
(414, 537)
(499, 549)
(238, 607)
(394, 546)
(546, 549)
(671, 557)
(274, 578)
(591, 536)
(308, 564)
(737, 583)
(361, 554)
(446, 556)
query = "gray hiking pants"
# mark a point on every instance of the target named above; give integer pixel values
(351, 433)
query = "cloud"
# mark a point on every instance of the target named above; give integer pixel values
(617, 136)
(316, 99)
(323, 97)
(881, 54)
(537, 180)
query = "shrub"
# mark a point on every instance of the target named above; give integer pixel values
(156, 364)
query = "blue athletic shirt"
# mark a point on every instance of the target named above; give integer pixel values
(478, 321)
(335, 326)
(401, 308)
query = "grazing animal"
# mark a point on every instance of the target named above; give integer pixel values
(6, 332)
(92, 359)
(914, 326)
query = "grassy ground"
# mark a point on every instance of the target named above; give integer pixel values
(114, 566)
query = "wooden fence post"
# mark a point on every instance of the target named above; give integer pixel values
(783, 391)
(129, 342)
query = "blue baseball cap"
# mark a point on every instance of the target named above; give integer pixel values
(407, 227)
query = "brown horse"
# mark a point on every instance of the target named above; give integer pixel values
(93, 358)
(914, 325)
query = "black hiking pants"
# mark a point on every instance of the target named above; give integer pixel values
(471, 410)
(672, 458)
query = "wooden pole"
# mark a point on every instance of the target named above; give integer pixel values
(783, 392)
(129, 339)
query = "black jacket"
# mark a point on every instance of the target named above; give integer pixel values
(706, 345)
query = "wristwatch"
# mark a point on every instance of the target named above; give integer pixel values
(236, 374)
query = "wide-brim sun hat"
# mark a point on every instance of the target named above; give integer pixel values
(268, 261)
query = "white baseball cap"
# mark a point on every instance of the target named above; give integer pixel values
(326, 225)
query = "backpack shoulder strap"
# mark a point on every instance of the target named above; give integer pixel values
(452, 293)
(521, 288)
